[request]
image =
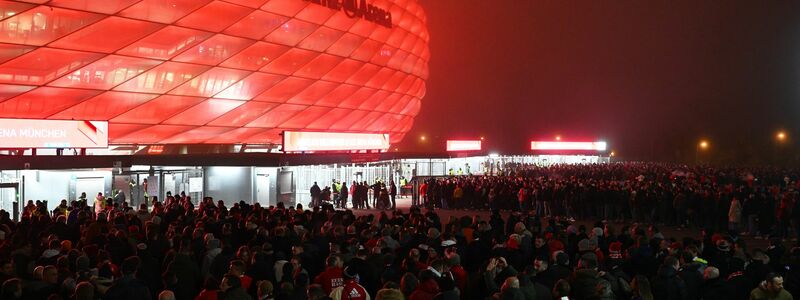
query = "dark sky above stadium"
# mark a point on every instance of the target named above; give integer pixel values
(650, 77)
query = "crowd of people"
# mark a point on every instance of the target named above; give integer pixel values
(753, 201)
(362, 195)
(528, 247)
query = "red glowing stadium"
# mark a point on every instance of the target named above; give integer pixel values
(215, 72)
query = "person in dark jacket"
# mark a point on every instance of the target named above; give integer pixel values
(714, 288)
(231, 287)
(187, 272)
(511, 290)
(666, 284)
(447, 289)
(692, 274)
(129, 287)
(737, 282)
(527, 281)
(759, 267)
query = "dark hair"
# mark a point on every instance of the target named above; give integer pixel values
(771, 277)
(130, 265)
(331, 260)
(233, 281)
(10, 287)
(238, 264)
(561, 288)
(671, 261)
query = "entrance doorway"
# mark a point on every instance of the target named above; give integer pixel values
(91, 186)
(262, 189)
(9, 200)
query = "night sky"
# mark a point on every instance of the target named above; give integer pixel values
(650, 77)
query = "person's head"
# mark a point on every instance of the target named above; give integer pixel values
(561, 289)
(389, 294)
(315, 292)
(672, 261)
(212, 244)
(84, 291)
(237, 267)
(166, 295)
(511, 283)
(561, 258)
(230, 281)
(761, 256)
(297, 262)
(453, 259)
(774, 282)
(711, 273)
(333, 261)
(6, 267)
(130, 265)
(414, 254)
(540, 265)
(243, 253)
(38, 273)
(264, 289)
(539, 242)
(50, 274)
(11, 289)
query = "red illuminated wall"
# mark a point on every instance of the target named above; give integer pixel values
(202, 71)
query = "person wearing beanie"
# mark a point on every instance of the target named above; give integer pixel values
(351, 289)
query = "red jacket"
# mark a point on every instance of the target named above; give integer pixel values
(460, 276)
(207, 295)
(425, 291)
(351, 290)
(246, 282)
(330, 279)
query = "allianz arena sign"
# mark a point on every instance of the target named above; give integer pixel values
(359, 9)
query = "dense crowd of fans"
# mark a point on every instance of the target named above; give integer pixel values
(757, 201)
(177, 249)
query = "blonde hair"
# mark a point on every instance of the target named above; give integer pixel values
(389, 294)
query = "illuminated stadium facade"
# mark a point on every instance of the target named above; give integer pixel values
(215, 72)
